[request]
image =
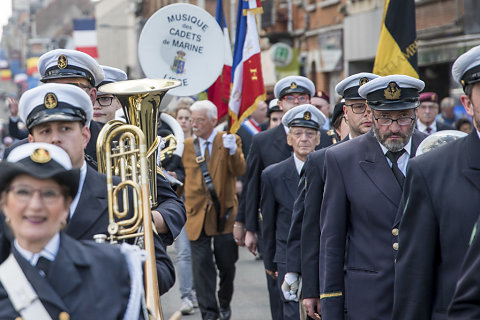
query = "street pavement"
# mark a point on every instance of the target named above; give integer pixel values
(250, 299)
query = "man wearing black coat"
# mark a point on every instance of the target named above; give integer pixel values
(363, 187)
(441, 201)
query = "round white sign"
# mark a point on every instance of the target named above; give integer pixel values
(281, 54)
(185, 43)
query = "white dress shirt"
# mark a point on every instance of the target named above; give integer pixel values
(403, 160)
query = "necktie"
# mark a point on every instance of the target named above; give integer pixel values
(206, 152)
(393, 157)
(43, 265)
(429, 130)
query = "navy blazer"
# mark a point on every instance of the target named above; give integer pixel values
(309, 225)
(268, 147)
(91, 218)
(293, 263)
(442, 201)
(301, 238)
(87, 280)
(358, 211)
(466, 299)
(279, 184)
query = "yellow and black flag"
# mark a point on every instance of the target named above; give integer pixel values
(397, 47)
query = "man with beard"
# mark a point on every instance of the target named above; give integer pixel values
(442, 197)
(363, 187)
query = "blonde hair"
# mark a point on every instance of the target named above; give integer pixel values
(184, 104)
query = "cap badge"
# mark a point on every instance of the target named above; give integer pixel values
(307, 116)
(434, 96)
(62, 61)
(293, 85)
(40, 155)
(50, 100)
(362, 81)
(392, 92)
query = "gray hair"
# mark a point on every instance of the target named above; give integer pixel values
(205, 105)
(447, 102)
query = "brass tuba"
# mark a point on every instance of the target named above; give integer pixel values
(134, 159)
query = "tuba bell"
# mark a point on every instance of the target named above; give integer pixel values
(140, 100)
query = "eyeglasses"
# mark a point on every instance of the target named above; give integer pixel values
(105, 101)
(357, 108)
(300, 98)
(403, 121)
(299, 133)
(25, 193)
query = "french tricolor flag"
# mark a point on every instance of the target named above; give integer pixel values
(85, 36)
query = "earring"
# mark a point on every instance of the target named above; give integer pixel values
(63, 223)
(7, 220)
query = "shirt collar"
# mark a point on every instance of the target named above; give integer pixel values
(49, 252)
(83, 174)
(210, 138)
(423, 128)
(298, 163)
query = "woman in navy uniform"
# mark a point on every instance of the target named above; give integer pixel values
(70, 279)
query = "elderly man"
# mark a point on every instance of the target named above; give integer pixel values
(279, 183)
(267, 148)
(358, 117)
(427, 112)
(442, 197)
(212, 160)
(363, 187)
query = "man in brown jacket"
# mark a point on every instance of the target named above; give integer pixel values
(211, 205)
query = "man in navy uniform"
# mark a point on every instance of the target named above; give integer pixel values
(442, 197)
(359, 120)
(269, 147)
(363, 187)
(59, 114)
(79, 69)
(466, 299)
(279, 183)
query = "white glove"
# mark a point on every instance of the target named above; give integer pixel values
(230, 143)
(290, 286)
